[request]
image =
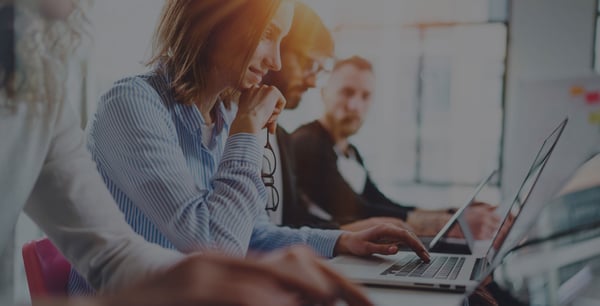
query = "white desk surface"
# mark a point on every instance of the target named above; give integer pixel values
(401, 296)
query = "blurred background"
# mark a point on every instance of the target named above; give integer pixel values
(447, 81)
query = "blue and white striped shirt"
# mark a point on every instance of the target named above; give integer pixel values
(174, 190)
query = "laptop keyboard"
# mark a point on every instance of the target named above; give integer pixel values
(440, 267)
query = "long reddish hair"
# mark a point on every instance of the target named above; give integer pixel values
(186, 35)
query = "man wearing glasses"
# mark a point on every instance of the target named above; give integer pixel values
(307, 51)
(332, 173)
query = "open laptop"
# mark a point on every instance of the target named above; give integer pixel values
(441, 243)
(447, 271)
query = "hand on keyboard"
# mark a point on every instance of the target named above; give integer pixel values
(380, 239)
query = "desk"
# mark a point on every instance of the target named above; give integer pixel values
(400, 296)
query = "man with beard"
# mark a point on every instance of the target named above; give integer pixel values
(331, 172)
(304, 52)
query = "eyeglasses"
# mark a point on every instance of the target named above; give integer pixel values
(267, 174)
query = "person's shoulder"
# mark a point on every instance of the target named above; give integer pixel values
(282, 131)
(130, 86)
(309, 130)
(135, 103)
(134, 93)
(310, 138)
(282, 135)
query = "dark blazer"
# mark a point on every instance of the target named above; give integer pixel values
(319, 178)
(295, 206)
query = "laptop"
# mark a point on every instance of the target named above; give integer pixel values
(441, 242)
(447, 271)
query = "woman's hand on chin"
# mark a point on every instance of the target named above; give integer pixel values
(258, 107)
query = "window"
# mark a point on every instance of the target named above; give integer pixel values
(459, 103)
(438, 105)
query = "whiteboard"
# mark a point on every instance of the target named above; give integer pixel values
(540, 107)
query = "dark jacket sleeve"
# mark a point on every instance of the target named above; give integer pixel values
(320, 179)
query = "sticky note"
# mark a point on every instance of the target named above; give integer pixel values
(592, 97)
(594, 118)
(577, 91)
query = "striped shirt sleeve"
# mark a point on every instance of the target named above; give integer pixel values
(267, 236)
(135, 140)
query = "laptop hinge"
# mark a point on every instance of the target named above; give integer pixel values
(451, 248)
(477, 268)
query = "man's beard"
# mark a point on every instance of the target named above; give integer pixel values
(350, 126)
(294, 95)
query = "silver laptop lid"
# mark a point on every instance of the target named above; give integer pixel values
(459, 215)
(522, 195)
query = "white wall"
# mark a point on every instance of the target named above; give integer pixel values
(122, 38)
(549, 39)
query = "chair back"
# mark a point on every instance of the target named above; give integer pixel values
(46, 269)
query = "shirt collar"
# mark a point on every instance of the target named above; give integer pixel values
(190, 116)
(192, 119)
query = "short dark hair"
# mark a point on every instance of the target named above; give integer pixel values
(308, 32)
(359, 62)
(7, 48)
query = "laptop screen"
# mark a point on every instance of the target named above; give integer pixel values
(523, 193)
(484, 192)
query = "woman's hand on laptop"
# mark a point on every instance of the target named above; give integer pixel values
(380, 239)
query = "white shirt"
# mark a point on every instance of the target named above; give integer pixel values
(207, 134)
(352, 171)
(47, 172)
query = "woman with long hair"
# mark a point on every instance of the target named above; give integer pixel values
(47, 172)
(177, 147)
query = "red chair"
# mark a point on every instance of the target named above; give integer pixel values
(46, 269)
